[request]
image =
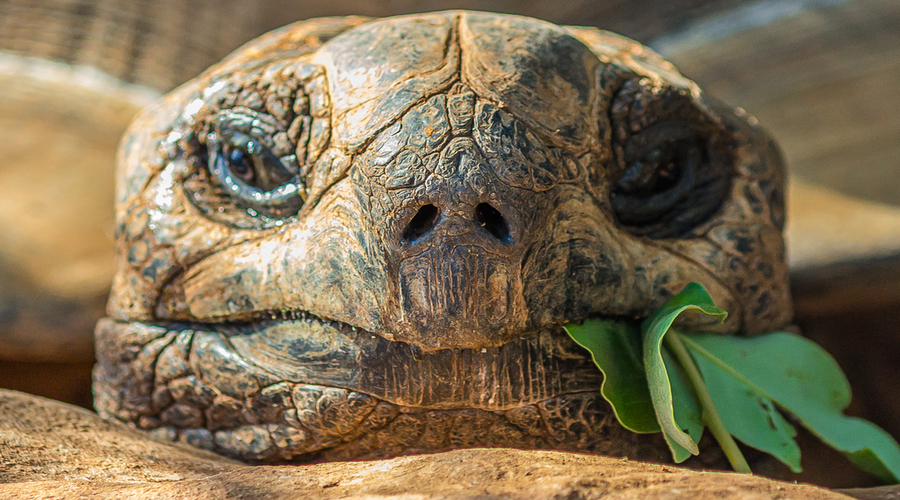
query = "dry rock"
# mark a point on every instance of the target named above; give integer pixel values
(52, 450)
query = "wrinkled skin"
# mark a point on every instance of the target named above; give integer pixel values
(385, 267)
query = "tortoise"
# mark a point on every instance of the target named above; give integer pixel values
(359, 238)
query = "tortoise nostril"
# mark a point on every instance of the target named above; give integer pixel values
(423, 221)
(493, 222)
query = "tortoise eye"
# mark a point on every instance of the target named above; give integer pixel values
(661, 169)
(242, 163)
(670, 182)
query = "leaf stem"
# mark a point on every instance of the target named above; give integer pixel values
(710, 415)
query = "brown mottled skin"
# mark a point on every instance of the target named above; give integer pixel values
(361, 238)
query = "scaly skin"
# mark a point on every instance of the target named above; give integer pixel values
(423, 203)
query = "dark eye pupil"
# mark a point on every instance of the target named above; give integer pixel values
(240, 165)
(669, 171)
(658, 171)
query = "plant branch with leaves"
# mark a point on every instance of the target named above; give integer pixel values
(660, 379)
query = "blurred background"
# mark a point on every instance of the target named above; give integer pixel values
(822, 75)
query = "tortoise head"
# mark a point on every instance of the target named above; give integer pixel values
(399, 215)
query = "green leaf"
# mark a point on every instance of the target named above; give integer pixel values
(746, 413)
(693, 298)
(615, 349)
(803, 379)
(687, 408)
(734, 383)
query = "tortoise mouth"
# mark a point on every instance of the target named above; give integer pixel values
(308, 389)
(299, 347)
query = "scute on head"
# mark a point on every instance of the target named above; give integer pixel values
(465, 183)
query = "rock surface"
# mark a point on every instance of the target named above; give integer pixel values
(44, 440)
(52, 450)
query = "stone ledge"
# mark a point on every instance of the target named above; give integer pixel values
(52, 450)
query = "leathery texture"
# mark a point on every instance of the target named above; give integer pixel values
(192, 386)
